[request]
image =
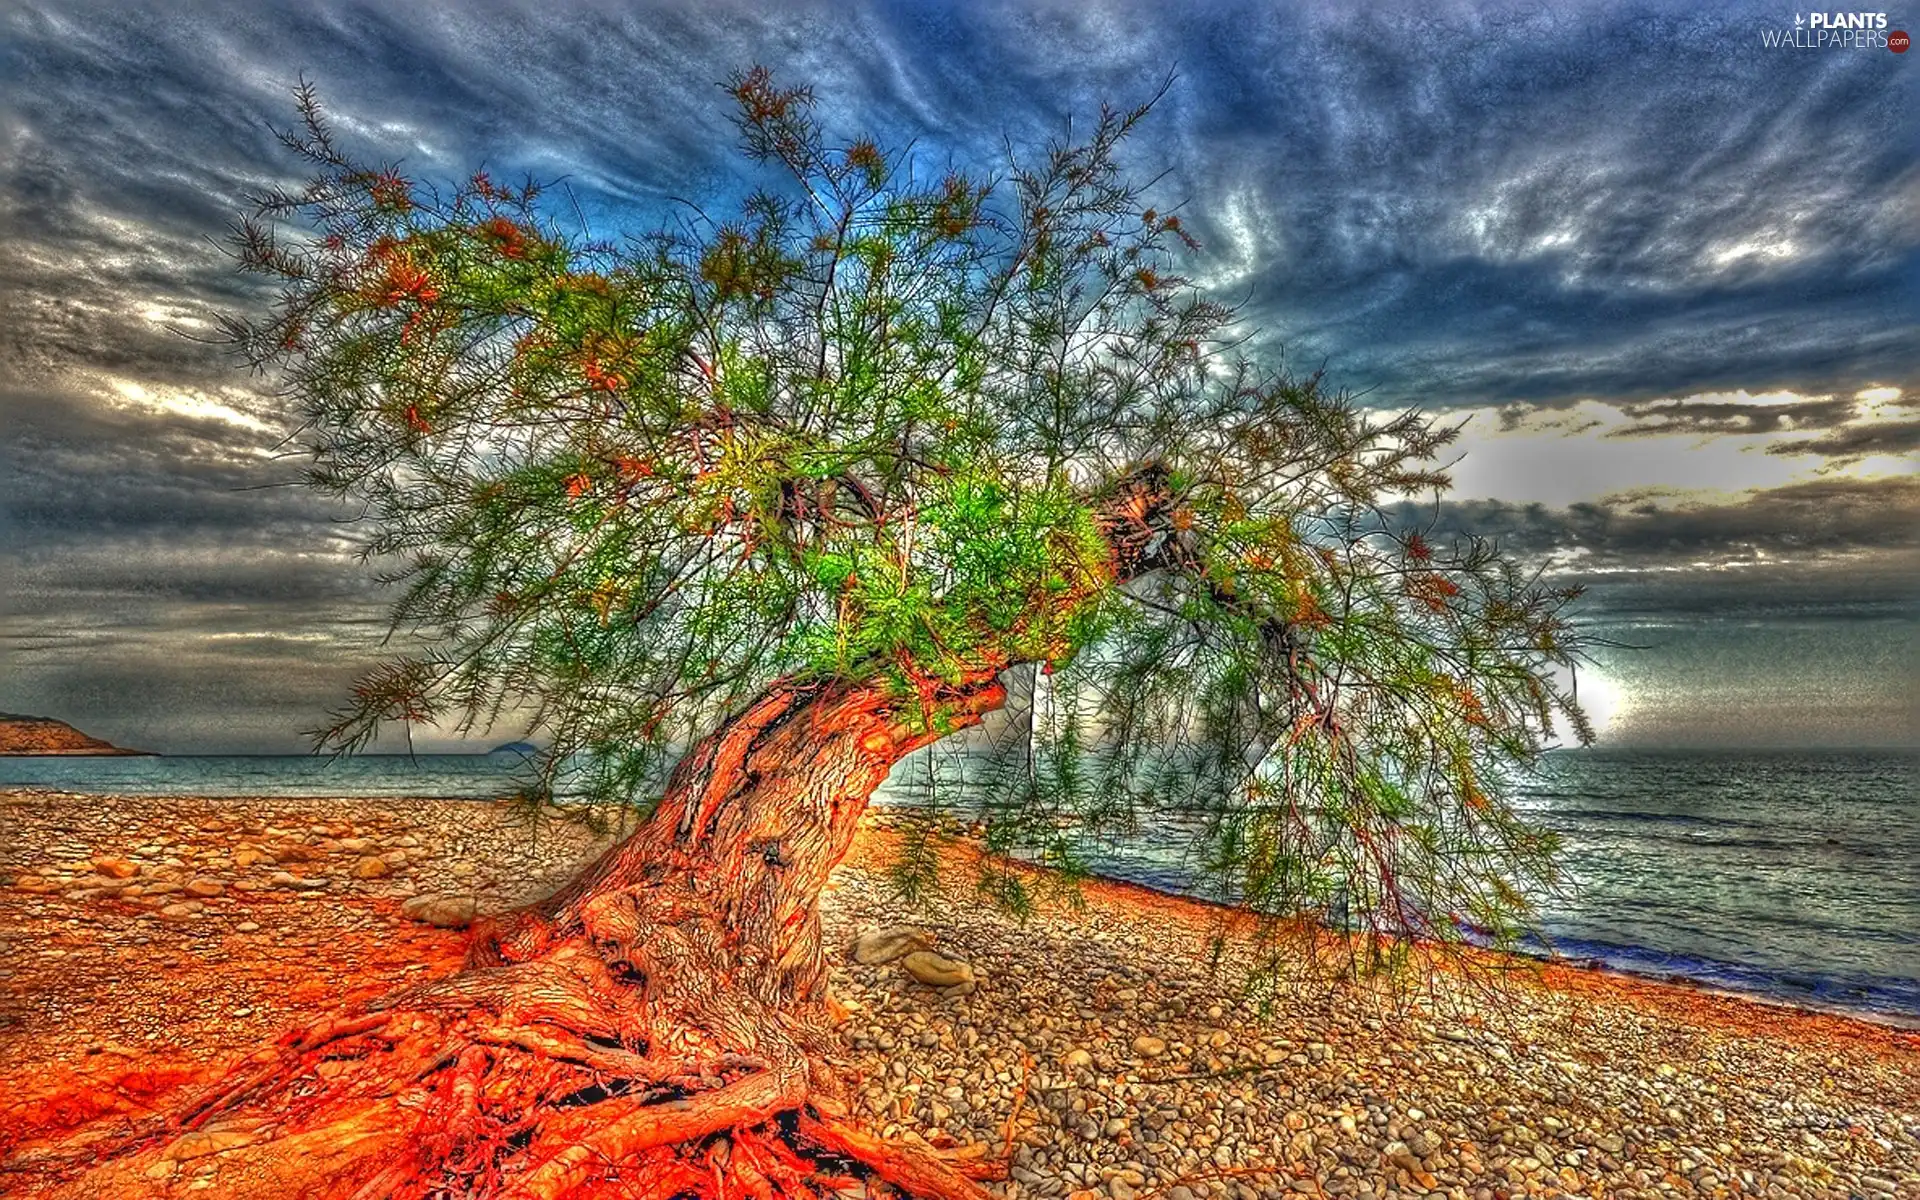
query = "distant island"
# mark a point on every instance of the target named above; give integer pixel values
(515, 748)
(23, 735)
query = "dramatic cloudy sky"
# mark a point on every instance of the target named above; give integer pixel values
(1666, 275)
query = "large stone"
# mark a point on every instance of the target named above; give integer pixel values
(371, 867)
(937, 970)
(205, 888)
(441, 911)
(1148, 1046)
(884, 945)
(115, 868)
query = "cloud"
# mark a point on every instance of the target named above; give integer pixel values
(1827, 519)
(1731, 417)
(1858, 441)
(1586, 219)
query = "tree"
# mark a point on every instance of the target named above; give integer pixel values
(739, 514)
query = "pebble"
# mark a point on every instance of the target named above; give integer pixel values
(1140, 1072)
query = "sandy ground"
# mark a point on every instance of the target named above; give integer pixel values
(1102, 1050)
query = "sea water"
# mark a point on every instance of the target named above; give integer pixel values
(1793, 875)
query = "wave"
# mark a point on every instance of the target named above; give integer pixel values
(1854, 991)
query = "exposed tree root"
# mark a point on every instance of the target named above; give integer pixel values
(658, 1028)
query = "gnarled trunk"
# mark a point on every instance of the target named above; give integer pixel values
(660, 1024)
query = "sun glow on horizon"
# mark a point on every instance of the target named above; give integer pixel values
(1605, 701)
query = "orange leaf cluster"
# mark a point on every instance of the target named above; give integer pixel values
(508, 238)
(632, 470)
(1308, 614)
(402, 278)
(602, 378)
(391, 192)
(1432, 591)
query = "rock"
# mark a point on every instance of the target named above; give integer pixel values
(371, 867)
(937, 970)
(287, 879)
(1401, 1155)
(247, 927)
(878, 946)
(1424, 1142)
(1077, 1059)
(1148, 1046)
(205, 888)
(182, 910)
(115, 868)
(441, 911)
(356, 845)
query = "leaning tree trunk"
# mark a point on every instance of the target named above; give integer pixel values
(658, 1026)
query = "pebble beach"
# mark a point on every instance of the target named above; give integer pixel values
(1100, 1049)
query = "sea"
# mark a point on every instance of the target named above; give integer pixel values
(1787, 875)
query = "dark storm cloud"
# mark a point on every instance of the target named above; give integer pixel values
(1712, 417)
(1891, 437)
(1449, 205)
(1832, 518)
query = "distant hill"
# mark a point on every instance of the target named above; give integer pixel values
(44, 735)
(515, 748)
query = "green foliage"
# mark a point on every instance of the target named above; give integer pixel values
(917, 432)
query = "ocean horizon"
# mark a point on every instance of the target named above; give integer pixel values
(1787, 875)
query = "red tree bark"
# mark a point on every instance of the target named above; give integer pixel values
(659, 1027)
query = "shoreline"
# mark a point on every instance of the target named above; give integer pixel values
(1894, 1019)
(1677, 987)
(1890, 1018)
